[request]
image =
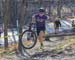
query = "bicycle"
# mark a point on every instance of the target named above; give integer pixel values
(29, 38)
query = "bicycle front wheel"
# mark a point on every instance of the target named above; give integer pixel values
(28, 39)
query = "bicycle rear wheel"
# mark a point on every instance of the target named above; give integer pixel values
(28, 39)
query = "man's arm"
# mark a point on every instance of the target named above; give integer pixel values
(48, 19)
(33, 19)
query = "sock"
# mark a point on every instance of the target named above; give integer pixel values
(41, 44)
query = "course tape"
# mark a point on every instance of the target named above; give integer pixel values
(10, 36)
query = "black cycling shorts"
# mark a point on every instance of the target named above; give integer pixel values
(57, 24)
(39, 29)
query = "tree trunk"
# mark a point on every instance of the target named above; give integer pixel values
(6, 18)
(21, 22)
(59, 6)
(40, 3)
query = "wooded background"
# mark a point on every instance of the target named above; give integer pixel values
(53, 7)
(21, 11)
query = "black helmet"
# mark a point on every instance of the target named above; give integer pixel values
(41, 10)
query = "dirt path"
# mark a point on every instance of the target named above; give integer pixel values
(47, 54)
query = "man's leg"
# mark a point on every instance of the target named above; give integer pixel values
(41, 38)
(0, 34)
(56, 30)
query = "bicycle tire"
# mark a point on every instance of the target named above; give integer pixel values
(35, 40)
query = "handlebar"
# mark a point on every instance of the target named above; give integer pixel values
(31, 24)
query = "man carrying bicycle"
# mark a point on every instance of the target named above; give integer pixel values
(39, 19)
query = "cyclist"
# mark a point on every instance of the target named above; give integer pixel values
(1, 30)
(39, 19)
(73, 25)
(57, 24)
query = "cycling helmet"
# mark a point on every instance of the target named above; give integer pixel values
(41, 10)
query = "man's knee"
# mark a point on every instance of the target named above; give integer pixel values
(41, 33)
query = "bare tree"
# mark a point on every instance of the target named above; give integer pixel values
(21, 21)
(6, 18)
(59, 6)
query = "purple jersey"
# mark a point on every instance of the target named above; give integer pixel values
(40, 20)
